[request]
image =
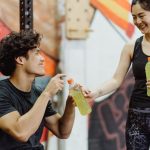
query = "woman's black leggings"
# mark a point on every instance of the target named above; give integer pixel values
(138, 129)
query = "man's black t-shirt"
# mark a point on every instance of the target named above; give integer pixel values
(12, 99)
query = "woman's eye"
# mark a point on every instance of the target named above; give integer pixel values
(134, 17)
(141, 16)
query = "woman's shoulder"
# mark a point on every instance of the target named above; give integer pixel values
(129, 48)
(130, 44)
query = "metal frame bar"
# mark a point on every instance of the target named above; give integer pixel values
(26, 15)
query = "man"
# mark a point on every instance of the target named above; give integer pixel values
(24, 111)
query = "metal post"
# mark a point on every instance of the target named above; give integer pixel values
(26, 15)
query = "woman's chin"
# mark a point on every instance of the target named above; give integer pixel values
(145, 31)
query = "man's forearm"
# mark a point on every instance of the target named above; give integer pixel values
(67, 120)
(30, 121)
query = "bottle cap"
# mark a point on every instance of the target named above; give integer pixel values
(70, 81)
(148, 58)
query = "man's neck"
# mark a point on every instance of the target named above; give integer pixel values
(22, 82)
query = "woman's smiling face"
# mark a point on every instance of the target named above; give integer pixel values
(141, 18)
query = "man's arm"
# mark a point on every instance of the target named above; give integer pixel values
(62, 126)
(22, 127)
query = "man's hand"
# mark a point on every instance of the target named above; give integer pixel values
(71, 101)
(148, 83)
(56, 84)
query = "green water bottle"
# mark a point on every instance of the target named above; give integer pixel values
(147, 71)
(81, 102)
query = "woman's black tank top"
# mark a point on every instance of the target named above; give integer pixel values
(139, 96)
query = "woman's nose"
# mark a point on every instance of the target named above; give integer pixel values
(138, 21)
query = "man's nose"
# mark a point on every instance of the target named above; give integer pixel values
(42, 58)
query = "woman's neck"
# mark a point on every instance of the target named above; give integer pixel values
(147, 37)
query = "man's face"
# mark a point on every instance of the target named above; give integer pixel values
(34, 63)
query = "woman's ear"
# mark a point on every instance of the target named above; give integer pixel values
(20, 60)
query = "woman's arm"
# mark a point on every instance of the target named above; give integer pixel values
(119, 75)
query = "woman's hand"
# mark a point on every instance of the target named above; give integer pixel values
(92, 95)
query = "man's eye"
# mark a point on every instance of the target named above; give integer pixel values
(37, 52)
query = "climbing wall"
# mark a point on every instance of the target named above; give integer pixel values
(79, 14)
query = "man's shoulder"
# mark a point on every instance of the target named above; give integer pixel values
(4, 84)
(3, 80)
(3, 77)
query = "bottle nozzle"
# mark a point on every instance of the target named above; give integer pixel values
(70, 81)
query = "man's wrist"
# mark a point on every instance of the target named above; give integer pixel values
(47, 94)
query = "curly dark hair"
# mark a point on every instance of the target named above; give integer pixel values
(14, 45)
(145, 4)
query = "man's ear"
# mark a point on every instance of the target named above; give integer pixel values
(20, 60)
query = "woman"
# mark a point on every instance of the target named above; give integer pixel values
(137, 53)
